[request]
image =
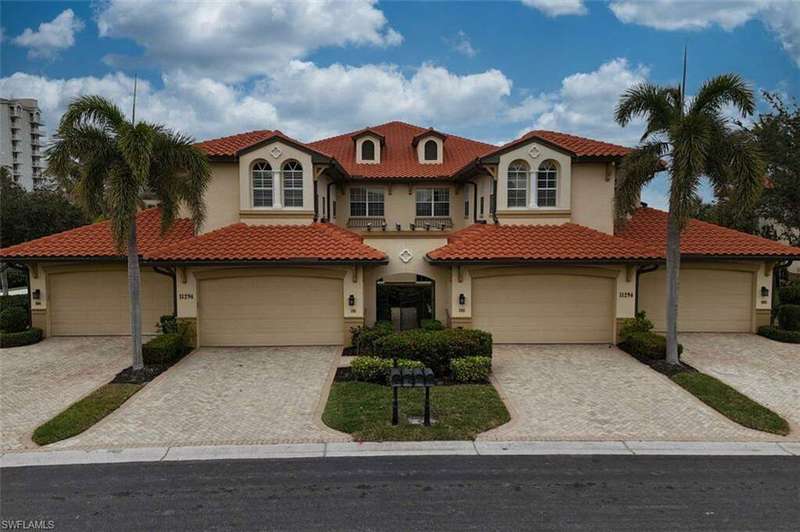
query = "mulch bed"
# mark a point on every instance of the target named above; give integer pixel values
(142, 376)
(350, 352)
(663, 367)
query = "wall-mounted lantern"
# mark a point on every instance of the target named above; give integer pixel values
(462, 299)
(764, 291)
(37, 294)
(351, 300)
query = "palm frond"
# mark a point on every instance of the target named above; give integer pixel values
(637, 169)
(722, 90)
(95, 110)
(647, 100)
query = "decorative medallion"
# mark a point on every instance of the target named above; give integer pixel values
(534, 152)
(276, 152)
(406, 256)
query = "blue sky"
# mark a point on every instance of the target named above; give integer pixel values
(489, 71)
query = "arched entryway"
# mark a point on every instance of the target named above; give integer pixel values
(405, 300)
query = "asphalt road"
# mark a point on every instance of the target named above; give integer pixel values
(413, 493)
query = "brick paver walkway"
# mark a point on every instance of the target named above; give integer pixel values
(597, 392)
(765, 370)
(221, 396)
(39, 381)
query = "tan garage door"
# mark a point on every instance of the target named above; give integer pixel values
(271, 310)
(708, 300)
(95, 303)
(544, 308)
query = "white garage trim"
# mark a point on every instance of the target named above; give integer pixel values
(543, 305)
(711, 298)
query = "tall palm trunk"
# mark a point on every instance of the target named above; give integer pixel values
(134, 289)
(4, 280)
(673, 271)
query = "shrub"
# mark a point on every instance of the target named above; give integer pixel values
(375, 369)
(780, 335)
(789, 317)
(435, 349)
(635, 325)
(164, 349)
(14, 301)
(647, 345)
(789, 294)
(431, 325)
(364, 338)
(168, 324)
(471, 369)
(13, 319)
(16, 339)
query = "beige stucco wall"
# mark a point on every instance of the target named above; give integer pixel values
(593, 196)
(276, 153)
(222, 197)
(534, 154)
(418, 246)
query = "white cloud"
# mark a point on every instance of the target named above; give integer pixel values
(51, 37)
(585, 104)
(239, 39)
(555, 8)
(461, 44)
(782, 17)
(302, 99)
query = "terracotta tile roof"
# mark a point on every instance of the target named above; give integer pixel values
(232, 145)
(565, 242)
(398, 156)
(649, 226)
(95, 240)
(577, 146)
(242, 242)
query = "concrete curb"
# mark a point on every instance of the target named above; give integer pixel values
(366, 449)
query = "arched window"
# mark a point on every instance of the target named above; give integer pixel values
(431, 150)
(547, 184)
(292, 184)
(261, 177)
(518, 184)
(367, 150)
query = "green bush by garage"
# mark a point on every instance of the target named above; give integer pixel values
(637, 338)
(15, 329)
(786, 326)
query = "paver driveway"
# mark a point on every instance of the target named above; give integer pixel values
(225, 396)
(597, 392)
(39, 381)
(765, 370)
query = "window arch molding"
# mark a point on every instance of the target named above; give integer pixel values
(262, 183)
(368, 150)
(517, 177)
(546, 184)
(292, 183)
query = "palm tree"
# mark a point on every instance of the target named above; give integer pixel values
(114, 160)
(689, 139)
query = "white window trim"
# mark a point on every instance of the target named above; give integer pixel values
(366, 201)
(301, 189)
(527, 188)
(433, 202)
(275, 202)
(534, 184)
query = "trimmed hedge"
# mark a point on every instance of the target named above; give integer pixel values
(647, 345)
(16, 339)
(431, 325)
(471, 369)
(780, 335)
(435, 349)
(364, 338)
(789, 294)
(20, 300)
(789, 317)
(639, 324)
(164, 349)
(13, 319)
(168, 324)
(377, 370)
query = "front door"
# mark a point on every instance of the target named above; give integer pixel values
(405, 304)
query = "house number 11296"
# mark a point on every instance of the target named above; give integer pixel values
(625, 294)
(185, 296)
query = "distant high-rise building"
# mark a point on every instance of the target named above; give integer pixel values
(20, 142)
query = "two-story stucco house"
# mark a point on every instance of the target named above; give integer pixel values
(396, 222)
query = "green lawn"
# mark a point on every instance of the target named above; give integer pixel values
(85, 413)
(461, 412)
(731, 403)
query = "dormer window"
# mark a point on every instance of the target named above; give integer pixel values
(292, 184)
(431, 150)
(368, 150)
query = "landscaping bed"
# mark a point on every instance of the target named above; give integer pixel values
(459, 412)
(15, 327)
(638, 340)
(788, 316)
